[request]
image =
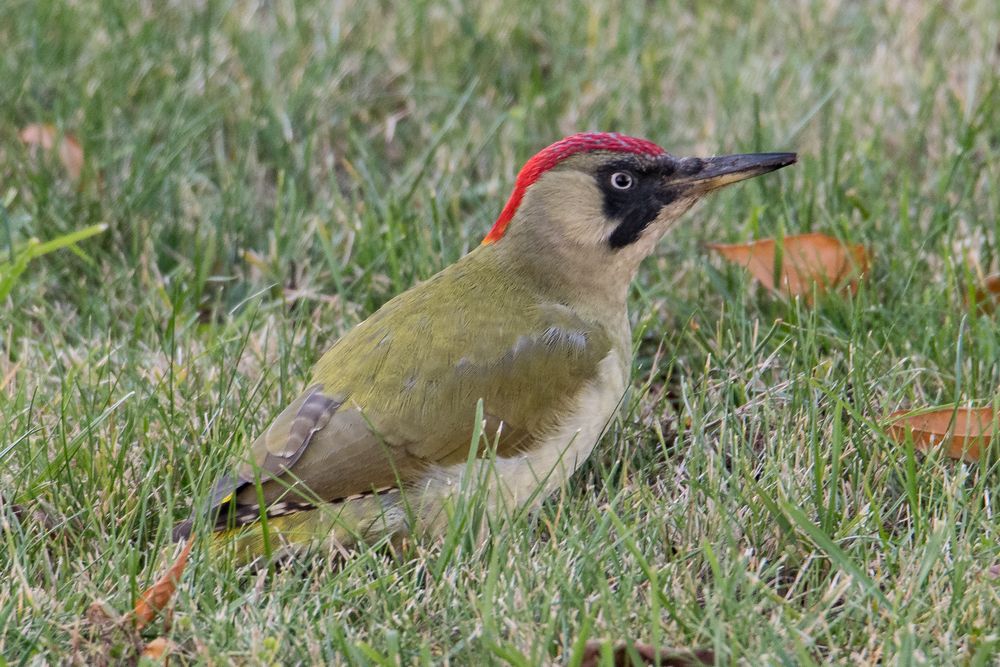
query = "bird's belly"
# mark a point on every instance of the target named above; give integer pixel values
(532, 475)
(558, 454)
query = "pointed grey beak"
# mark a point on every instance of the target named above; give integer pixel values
(702, 175)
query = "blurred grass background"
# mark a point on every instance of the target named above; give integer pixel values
(271, 172)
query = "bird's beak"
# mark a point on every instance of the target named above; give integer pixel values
(699, 176)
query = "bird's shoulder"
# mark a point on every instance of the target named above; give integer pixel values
(469, 321)
(416, 368)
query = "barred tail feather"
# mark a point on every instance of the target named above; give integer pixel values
(336, 526)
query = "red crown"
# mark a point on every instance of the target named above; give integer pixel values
(552, 155)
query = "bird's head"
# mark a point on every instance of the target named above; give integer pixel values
(598, 202)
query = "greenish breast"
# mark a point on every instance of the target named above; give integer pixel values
(418, 366)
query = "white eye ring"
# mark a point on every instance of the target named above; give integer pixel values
(622, 180)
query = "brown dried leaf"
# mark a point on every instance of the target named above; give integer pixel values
(103, 637)
(158, 649)
(807, 259)
(965, 432)
(987, 296)
(157, 596)
(100, 613)
(24, 514)
(648, 655)
(46, 137)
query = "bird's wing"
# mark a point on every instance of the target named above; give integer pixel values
(398, 394)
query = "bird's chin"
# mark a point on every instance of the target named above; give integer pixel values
(671, 214)
(665, 221)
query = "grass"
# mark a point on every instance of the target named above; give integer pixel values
(271, 172)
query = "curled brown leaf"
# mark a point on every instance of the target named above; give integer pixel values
(964, 433)
(806, 260)
(155, 598)
(646, 655)
(102, 637)
(986, 297)
(46, 137)
(157, 649)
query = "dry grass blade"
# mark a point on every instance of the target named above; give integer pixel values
(964, 432)
(155, 598)
(46, 137)
(806, 260)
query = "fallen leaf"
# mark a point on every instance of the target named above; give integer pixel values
(103, 637)
(34, 513)
(986, 297)
(965, 432)
(158, 649)
(807, 260)
(46, 137)
(102, 614)
(157, 596)
(648, 655)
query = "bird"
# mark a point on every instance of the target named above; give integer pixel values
(525, 340)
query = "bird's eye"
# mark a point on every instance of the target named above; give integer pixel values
(622, 180)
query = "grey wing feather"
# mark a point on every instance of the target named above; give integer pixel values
(313, 414)
(313, 411)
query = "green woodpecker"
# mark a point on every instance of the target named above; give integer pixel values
(533, 323)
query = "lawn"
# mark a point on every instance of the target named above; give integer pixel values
(269, 173)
